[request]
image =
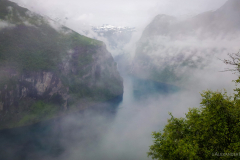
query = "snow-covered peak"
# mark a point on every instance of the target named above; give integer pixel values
(117, 29)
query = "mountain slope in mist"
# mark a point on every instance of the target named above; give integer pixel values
(117, 37)
(48, 70)
(172, 51)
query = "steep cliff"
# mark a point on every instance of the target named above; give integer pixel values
(172, 50)
(48, 70)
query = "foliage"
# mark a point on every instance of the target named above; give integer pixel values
(33, 44)
(30, 45)
(209, 132)
(80, 90)
(39, 111)
(234, 61)
(35, 51)
(4, 10)
(212, 128)
(77, 39)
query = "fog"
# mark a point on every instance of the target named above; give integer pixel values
(4, 24)
(93, 134)
(127, 13)
(125, 133)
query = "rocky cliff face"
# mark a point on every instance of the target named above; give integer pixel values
(171, 51)
(48, 70)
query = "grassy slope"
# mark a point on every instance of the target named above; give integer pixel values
(39, 47)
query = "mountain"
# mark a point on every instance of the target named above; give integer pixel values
(48, 70)
(171, 50)
(116, 37)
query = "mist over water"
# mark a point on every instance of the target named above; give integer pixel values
(115, 130)
(121, 129)
(128, 134)
(107, 131)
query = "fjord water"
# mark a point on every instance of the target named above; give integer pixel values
(120, 129)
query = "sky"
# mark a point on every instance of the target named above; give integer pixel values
(132, 13)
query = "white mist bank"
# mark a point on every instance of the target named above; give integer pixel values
(128, 134)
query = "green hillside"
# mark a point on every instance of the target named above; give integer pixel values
(47, 70)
